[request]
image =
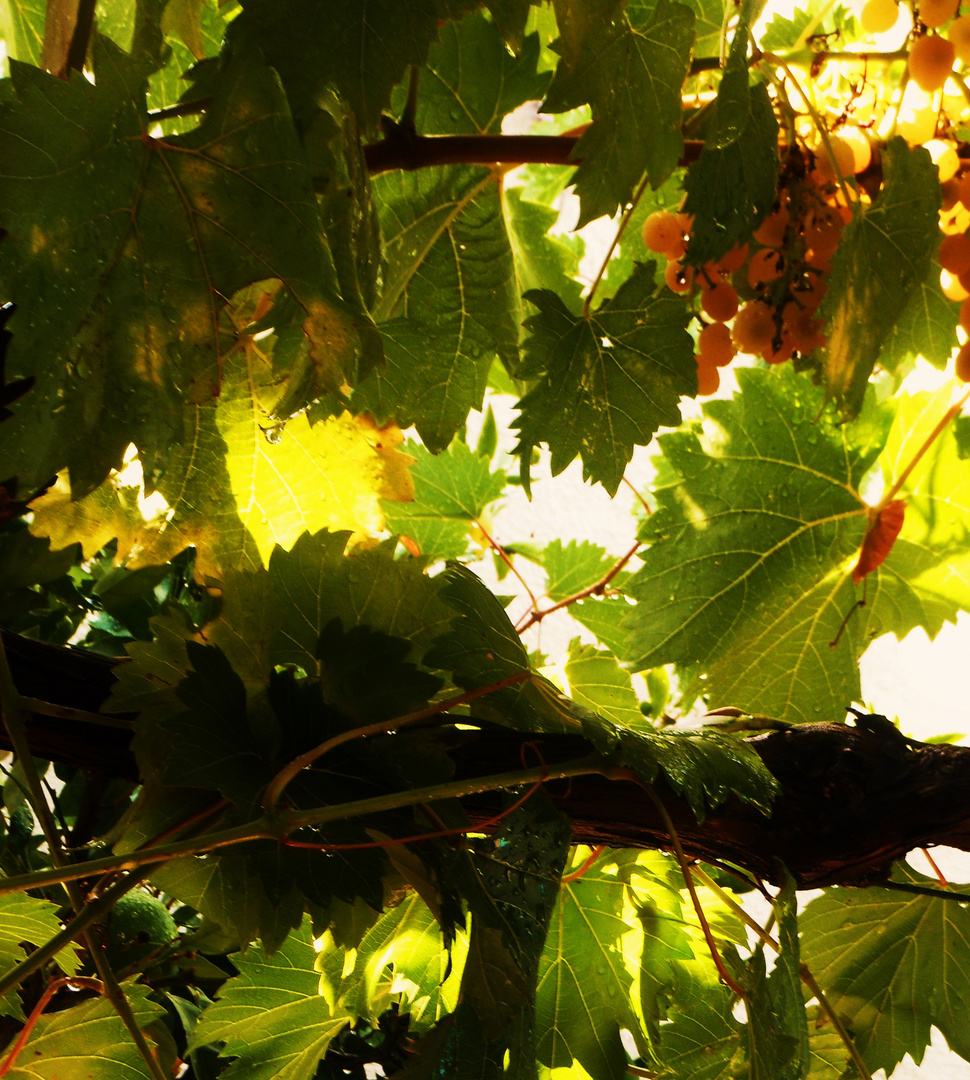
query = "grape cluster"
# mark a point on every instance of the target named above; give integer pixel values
(762, 297)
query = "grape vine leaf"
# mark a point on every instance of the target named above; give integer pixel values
(444, 230)
(451, 491)
(541, 261)
(585, 984)
(606, 618)
(364, 674)
(482, 649)
(605, 381)
(575, 566)
(731, 188)
(294, 478)
(783, 32)
(703, 1041)
(368, 47)
(93, 210)
(777, 1029)
(511, 885)
(925, 580)
(883, 257)
(31, 921)
(24, 35)
(89, 1032)
(927, 326)
(747, 577)
(630, 69)
(314, 583)
(598, 682)
(272, 1018)
(892, 967)
(404, 948)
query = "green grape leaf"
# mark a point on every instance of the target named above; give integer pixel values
(708, 17)
(782, 32)
(511, 886)
(925, 579)
(927, 326)
(511, 17)
(202, 215)
(314, 583)
(585, 984)
(703, 1041)
(607, 380)
(212, 741)
(598, 682)
(27, 920)
(777, 1031)
(482, 649)
(883, 256)
(892, 968)
(705, 767)
(541, 261)
(747, 579)
(732, 108)
(574, 567)
(606, 618)
(368, 48)
(89, 1036)
(646, 52)
(444, 231)
(451, 491)
(404, 947)
(272, 1018)
(23, 30)
(364, 675)
(731, 187)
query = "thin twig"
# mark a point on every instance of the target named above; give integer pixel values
(35, 1014)
(689, 882)
(504, 556)
(381, 727)
(582, 869)
(595, 589)
(620, 229)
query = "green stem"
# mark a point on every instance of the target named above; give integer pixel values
(304, 761)
(277, 825)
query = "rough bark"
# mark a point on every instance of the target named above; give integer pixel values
(853, 797)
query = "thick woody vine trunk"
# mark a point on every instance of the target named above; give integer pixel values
(852, 799)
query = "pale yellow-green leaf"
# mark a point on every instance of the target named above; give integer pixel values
(32, 921)
(295, 478)
(88, 1040)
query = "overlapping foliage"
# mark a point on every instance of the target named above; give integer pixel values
(247, 247)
